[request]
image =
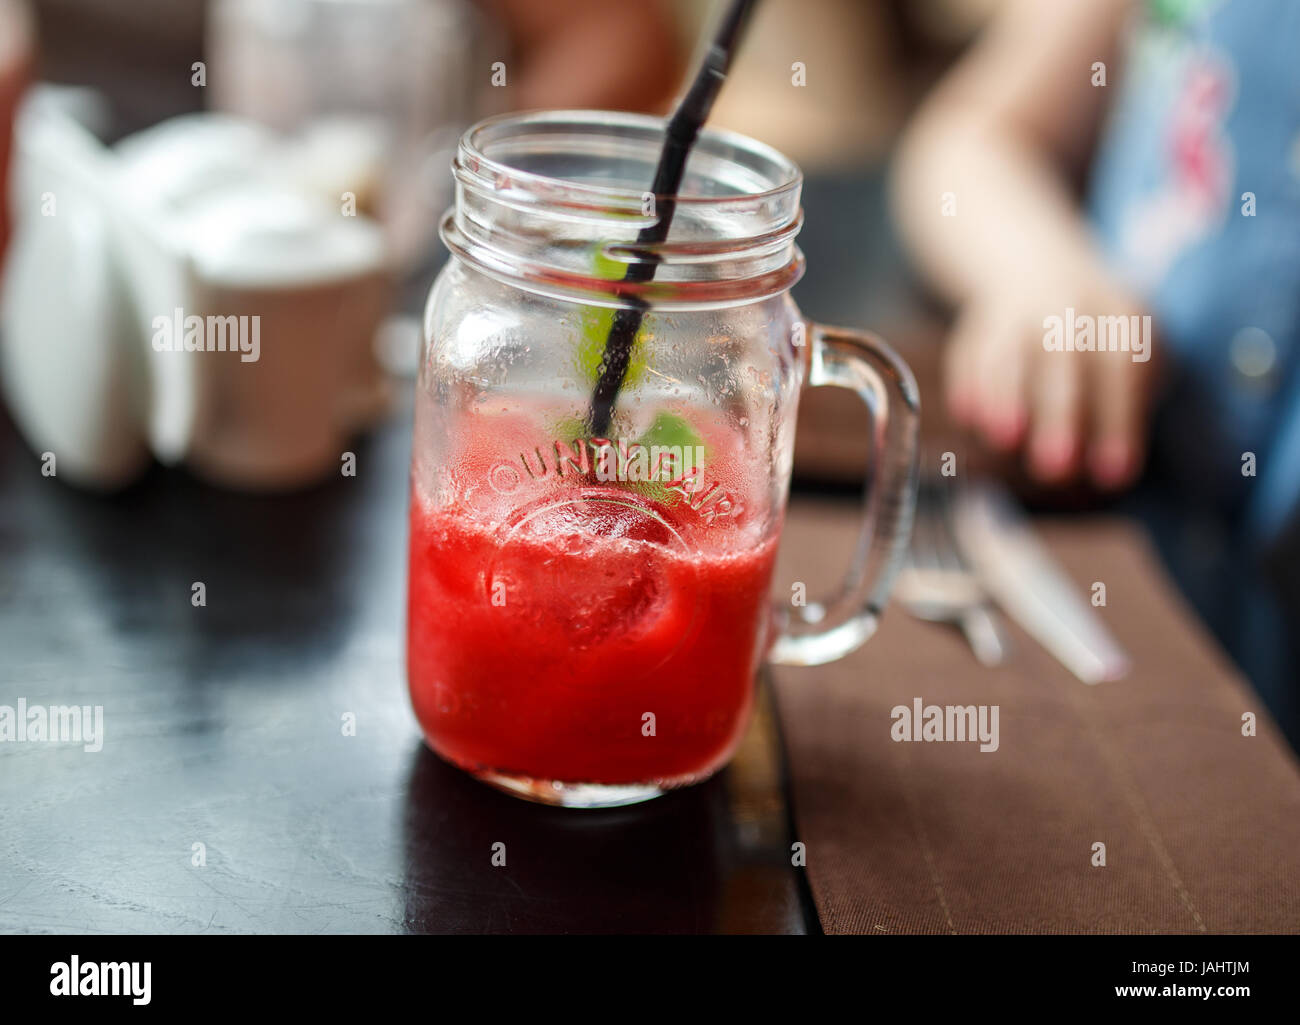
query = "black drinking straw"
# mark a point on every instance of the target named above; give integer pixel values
(683, 128)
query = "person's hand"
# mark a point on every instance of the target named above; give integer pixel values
(1070, 413)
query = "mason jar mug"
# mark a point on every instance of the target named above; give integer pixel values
(603, 440)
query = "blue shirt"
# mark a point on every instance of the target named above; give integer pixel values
(1196, 196)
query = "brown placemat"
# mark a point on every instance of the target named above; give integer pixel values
(1201, 824)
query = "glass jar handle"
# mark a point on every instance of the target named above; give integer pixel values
(820, 632)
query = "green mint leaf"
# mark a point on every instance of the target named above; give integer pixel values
(595, 323)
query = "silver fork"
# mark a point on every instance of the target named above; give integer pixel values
(936, 582)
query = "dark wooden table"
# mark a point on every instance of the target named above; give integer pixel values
(223, 727)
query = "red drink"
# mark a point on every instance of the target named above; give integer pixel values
(580, 633)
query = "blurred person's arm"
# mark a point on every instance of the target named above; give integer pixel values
(1008, 134)
(617, 54)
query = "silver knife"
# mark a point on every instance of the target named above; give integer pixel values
(1025, 581)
